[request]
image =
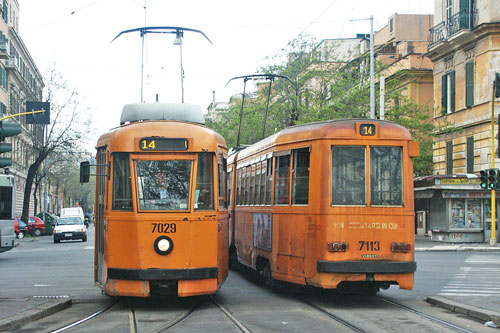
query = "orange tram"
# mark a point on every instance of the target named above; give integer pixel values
(326, 204)
(161, 216)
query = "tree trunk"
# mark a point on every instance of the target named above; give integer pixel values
(29, 183)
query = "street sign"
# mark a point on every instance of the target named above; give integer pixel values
(41, 118)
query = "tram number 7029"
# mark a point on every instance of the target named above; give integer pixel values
(369, 245)
(164, 228)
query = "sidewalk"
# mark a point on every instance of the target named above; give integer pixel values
(424, 243)
(17, 312)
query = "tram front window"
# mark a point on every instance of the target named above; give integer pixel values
(164, 185)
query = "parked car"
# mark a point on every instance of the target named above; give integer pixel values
(70, 227)
(37, 224)
(20, 228)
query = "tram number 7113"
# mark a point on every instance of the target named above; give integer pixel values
(369, 245)
(164, 228)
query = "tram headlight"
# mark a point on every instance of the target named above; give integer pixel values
(164, 245)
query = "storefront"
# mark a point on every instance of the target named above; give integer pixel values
(453, 208)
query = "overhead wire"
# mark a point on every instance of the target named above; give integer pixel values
(62, 17)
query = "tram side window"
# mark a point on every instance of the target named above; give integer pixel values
(222, 170)
(163, 184)
(262, 184)
(269, 185)
(240, 188)
(204, 182)
(386, 164)
(247, 185)
(122, 185)
(252, 185)
(229, 188)
(348, 175)
(282, 182)
(300, 181)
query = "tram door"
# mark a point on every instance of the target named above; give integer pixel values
(101, 181)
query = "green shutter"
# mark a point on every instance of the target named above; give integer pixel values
(470, 154)
(449, 157)
(452, 91)
(469, 84)
(444, 93)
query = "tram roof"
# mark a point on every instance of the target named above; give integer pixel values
(162, 111)
(330, 129)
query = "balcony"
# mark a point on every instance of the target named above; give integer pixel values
(464, 21)
(12, 63)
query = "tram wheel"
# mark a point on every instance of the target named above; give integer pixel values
(268, 276)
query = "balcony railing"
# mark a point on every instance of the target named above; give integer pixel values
(464, 20)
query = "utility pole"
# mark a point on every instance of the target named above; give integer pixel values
(372, 72)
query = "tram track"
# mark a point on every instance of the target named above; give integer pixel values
(422, 314)
(334, 316)
(86, 319)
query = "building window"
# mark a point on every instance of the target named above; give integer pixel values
(470, 154)
(449, 157)
(449, 9)
(448, 93)
(391, 25)
(469, 84)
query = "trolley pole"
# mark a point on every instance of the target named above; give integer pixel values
(493, 239)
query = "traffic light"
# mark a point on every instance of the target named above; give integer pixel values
(6, 130)
(484, 179)
(492, 178)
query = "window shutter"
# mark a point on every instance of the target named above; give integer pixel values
(449, 157)
(470, 154)
(452, 91)
(444, 90)
(469, 84)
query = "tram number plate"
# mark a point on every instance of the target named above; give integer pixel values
(367, 129)
(369, 245)
(164, 228)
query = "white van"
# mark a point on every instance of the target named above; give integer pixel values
(73, 211)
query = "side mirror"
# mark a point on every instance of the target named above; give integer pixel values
(84, 172)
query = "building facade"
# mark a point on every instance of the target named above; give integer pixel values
(464, 45)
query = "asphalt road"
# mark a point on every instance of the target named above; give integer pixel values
(38, 267)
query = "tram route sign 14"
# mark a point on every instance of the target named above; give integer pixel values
(490, 179)
(42, 118)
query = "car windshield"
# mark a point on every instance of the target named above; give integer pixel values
(22, 224)
(69, 220)
(32, 220)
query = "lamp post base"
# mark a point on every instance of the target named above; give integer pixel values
(493, 241)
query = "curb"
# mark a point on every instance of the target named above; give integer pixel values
(35, 313)
(458, 249)
(466, 309)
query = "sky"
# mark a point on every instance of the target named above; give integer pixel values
(74, 38)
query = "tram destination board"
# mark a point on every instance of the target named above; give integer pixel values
(163, 144)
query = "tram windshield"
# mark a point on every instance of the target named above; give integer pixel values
(386, 164)
(164, 184)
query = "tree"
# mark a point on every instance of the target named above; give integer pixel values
(63, 135)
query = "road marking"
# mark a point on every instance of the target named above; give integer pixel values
(42, 285)
(89, 247)
(474, 280)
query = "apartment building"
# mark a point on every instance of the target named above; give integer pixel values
(401, 45)
(20, 81)
(465, 47)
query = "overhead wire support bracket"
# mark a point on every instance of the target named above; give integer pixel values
(271, 78)
(178, 31)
